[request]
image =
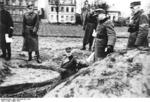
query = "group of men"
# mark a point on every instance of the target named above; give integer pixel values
(29, 32)
(104, 39)
(105, 35)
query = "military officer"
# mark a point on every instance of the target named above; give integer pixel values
(138, 27)
(89, 26)
(6, 27)
(29, 32)
(105, 36)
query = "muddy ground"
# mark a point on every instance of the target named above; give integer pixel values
(122, 74)
(29, 79)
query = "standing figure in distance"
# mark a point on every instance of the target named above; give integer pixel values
(29, 32)
(6, 27)
(89, 26)
(138, 27)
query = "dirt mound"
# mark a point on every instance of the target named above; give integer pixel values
(4, 71)
(122, 74)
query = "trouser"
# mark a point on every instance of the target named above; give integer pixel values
(143, 41)
(7, 50)
(131, 40)
(99, 49)
(88, 38)
(90, 43)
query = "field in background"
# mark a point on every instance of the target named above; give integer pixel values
(53, 30)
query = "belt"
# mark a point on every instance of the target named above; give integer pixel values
(101, 36)
(27, 26)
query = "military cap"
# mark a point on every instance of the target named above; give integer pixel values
(100, 10)
(133, 4)
(29, 4)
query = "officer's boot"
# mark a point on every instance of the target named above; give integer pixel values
(38, 57)
(90, 46)
(84, 47)
(8, 57)
(3, 53)
(30, 56)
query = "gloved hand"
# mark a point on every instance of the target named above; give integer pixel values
(110, 49)
(10, 32)
(83, 28)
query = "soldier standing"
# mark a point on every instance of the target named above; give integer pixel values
(138, 27)
(89, 26)
(6, 27)
(105, 36)
(29, 32)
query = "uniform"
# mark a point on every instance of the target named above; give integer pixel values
(138, 29)
(106, 36)
(30, 28)
(6, 27)
(29, 32)
(89, 25)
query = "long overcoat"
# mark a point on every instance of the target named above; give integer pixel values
(5, 23)
(106, 35)
(30, 29)
(89, 25)
(138, 30)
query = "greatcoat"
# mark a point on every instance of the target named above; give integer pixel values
(30, 28)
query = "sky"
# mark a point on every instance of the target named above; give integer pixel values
(118, 5)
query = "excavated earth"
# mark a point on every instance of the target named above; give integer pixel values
(20, 78)
(122, 74)
(125, 73)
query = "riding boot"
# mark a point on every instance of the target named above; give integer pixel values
(90, 47)
(38, 57)
(3, 53)
(84, 47)
(30, 56)
(8, 51)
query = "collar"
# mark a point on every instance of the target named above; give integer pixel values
(30, 13)
(136, 15)
(104, 20)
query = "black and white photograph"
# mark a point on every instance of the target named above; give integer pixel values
(90, 49)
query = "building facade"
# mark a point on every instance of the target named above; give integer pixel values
(114, 15)
(63, 11)
(17, 8)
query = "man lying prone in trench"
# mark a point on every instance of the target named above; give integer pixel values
(70, 64)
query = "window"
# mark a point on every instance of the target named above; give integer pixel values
(62, 18)
(67, 9)
(72, 9)
(52, 9)
(62, 9)
(66, 18)
(72, 18)
(52, 17)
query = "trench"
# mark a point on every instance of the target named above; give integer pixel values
(29, 89)
(32, 89)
